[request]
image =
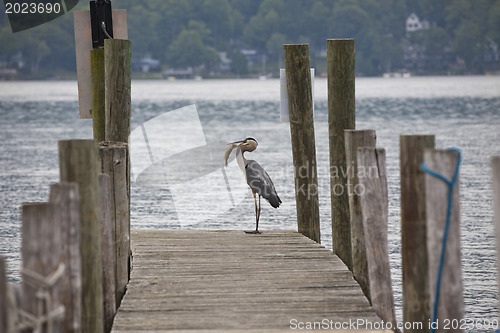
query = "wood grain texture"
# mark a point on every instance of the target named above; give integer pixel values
(4, 311)
(451, 296)
(298, 82)
(41, 250)
(375, 207)
(413, 229)
(113, 160)
(78, 163)
(97, 93)
(495, 167)
(66, 201)
(108, 256)
(355, 139)
(118, 109)
(230, 281)
(341, 116)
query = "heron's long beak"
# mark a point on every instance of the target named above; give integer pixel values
(239, 143)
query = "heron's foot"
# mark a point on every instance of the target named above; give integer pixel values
(255, 232)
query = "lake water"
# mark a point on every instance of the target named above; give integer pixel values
(462, 112)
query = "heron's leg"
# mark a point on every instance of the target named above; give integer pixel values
(257, 215)
(258, 218)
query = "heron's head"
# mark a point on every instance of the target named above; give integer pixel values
(249, 144)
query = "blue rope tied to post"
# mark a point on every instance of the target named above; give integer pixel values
(451, 184)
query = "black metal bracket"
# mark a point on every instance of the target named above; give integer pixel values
(101, 22)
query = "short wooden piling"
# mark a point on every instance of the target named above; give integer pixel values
(355, 139)
(4, 314)
(341, 116)
(108, 254)
(375, 206)
(117, 65)
(66, 201)
(78, 163)
(113, 162)
(495, 167)
(41, 270)
(416, 308)
(451, 300)
(298, 80)
(97, 93)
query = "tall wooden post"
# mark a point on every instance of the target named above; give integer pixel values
(97, 93)
(416, 308)
(66, 201)
(78, 163)
(113, 157)
(341, 116)
(298, 80)
(117, 65)
(108, 255)
(353, 140)
(375, 210)
(451, 295)
(495, 167)
(41, 272)
(4, 314)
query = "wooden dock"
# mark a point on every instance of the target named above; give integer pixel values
(233, 282)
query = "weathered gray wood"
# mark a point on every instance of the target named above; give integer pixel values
(495, 167)
(78, 163)
(298, 81)
(225, 280)
(41, 250)
(117, 65)
(108, 255)
(97, 93)
(113, 157)
(341, 116)
(355, 139)
(4, 314)
(375, 206)
(66, 201)
(413, 229)
(451, 300)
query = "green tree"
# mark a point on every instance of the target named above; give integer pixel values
(189, 49)
(239, 64)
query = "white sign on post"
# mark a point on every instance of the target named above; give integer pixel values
(83, 45)
(284, 115)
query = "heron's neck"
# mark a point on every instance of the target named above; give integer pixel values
(240, 158)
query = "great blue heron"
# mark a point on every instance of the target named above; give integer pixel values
(257, 178)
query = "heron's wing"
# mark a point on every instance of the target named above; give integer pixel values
(260, 182)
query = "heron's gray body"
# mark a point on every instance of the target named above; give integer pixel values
(258, 180)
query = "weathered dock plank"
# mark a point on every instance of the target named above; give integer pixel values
(233, 282)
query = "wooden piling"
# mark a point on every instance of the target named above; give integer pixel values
(77, 160)
(298, 80)
(416, 308)
(4, 314)
(451, 300)
(108, 254)
(97, 93)
(117, 71)
(495, 167)
(375, 207)
(353, 140)
(341, 116)
(41, 248)
(113, 157)
(66, 201)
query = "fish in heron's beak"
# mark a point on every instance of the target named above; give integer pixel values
(229, 149)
